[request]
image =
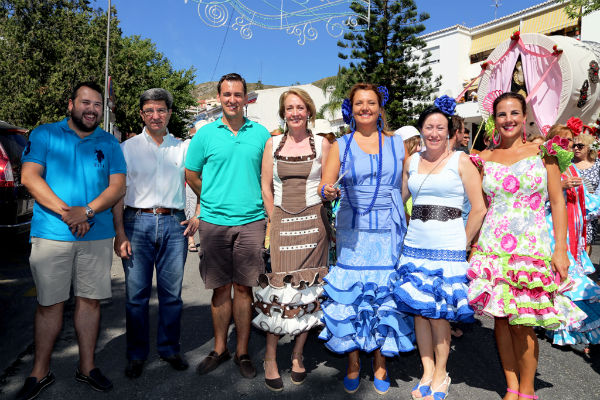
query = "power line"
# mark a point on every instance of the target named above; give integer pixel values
(222, 45)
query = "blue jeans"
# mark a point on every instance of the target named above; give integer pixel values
(156, 240)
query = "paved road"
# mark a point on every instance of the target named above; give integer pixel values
(473, 366)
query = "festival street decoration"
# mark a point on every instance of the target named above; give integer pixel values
(299, 18)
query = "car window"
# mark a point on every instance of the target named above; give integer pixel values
(13, 144)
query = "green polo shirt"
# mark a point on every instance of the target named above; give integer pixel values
(230, 166)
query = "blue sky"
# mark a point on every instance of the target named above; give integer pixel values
(271, 55)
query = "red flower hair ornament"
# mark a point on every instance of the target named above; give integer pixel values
(575, 125)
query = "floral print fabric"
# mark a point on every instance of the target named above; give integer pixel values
(591, 178)
(510, 273)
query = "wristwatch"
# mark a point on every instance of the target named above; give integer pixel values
(89, 212)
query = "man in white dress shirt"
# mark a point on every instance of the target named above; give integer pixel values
(151, 232)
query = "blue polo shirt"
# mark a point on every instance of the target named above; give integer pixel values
(230, 166)
(77, 170)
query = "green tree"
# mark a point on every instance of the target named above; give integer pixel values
(45, 46)
(48, 46)
(579, 8)
(138, 66)
(389, 53)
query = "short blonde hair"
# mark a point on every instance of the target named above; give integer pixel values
(305, 97)
(587, 139)
(411, 144)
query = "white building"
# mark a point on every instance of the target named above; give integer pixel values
(265, 109)
(457, 52)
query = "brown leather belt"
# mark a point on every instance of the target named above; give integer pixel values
(286, 311)
(157, 210)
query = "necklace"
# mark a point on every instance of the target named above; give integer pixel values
(442, 158)
(378, 184)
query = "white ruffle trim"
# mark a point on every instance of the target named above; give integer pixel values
(288, 296)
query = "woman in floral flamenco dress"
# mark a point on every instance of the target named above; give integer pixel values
(359, 311)
(581, 208)
(515, 278)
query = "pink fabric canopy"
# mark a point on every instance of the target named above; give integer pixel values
(538, 63)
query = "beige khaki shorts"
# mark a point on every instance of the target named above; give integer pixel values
(54, 264)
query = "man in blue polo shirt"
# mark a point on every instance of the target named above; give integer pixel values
(76, 173)
(223, 166)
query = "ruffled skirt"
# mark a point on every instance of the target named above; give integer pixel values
(288, 310)
(522, 289)
(587, 333)
(586, 295)
(433, 284)
(360, 312)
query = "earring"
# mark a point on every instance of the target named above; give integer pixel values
(494, 140)
(379, 123)
(524, 134)
(285, 128)
(352, 124)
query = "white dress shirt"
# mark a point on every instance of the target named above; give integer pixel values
(155, 174)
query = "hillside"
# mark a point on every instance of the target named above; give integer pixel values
(208, 90)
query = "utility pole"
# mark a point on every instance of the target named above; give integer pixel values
(106, 109)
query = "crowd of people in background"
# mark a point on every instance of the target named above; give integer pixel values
(426, 234)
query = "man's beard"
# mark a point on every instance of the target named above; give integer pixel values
(80, 124)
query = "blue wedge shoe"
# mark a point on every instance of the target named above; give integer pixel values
(423, 388)
(381, 385)
(437, 395)
(351, 385)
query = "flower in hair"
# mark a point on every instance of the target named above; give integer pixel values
(384, 94)
(561, 142)
(490, 126)
(575, 125)
(545, 130)
(347, 111)
(445, 104)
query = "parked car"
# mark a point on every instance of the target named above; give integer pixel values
(16, 204)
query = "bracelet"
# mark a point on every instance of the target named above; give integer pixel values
(198, 216)
(323, 193)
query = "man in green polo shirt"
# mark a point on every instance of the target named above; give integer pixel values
(223, 166)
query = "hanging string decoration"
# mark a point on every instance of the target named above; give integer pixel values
(299, 18)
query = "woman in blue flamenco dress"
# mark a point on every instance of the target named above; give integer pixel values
(359, 311)
(585, 293)
(431, 281)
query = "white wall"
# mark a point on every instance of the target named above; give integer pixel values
(265, 109)
(454, 49)
(454, 64)
(590, 27)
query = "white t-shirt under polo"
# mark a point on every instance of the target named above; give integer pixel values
(155, 174)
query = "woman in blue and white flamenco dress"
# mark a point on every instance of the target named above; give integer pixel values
(585, 293)
(431, 281)
(359, 310)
